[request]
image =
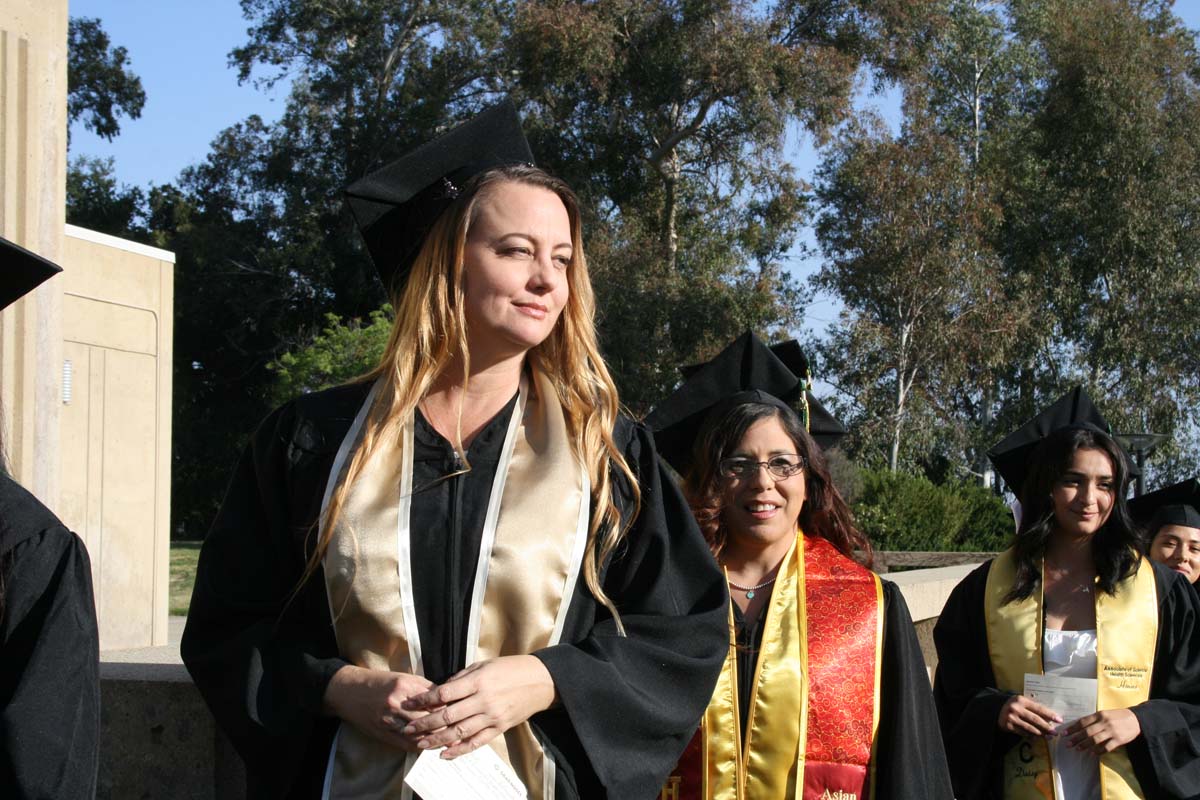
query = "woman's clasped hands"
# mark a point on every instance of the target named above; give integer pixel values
(480, 703)
(466, 712)
(373, 701)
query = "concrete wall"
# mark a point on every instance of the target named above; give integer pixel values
(33, 170)
(159, 740)
(115, 417)
(925, 591)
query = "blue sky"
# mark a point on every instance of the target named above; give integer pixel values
(180, 51)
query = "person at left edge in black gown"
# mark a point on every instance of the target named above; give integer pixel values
(824, 692)
(49, 644)
(1073, 598)
(1171, 520)
(471, 546)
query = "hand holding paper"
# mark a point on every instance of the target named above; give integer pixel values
(1070, 698)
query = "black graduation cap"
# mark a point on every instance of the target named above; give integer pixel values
(1011, 456)
(21, 271)
(1178, 504)
(825, 428)
(749, 371)
(395, 206)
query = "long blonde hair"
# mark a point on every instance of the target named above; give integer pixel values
(430, 331)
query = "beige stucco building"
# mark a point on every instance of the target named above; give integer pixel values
(115, 426)
(85, 359)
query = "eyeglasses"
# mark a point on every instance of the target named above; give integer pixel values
(780, 467)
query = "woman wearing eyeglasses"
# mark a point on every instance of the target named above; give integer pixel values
(824, 693)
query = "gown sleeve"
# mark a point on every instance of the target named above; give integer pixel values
(261, 651)
(1167, 754)
(634, 701)
(49, 670)
(910, 763)
(968, 704)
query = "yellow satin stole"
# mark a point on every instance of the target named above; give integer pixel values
(1126, 633)
(534, 539)
(815, 707)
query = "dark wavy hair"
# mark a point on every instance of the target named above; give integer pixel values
(824, 512)
(1116, 546)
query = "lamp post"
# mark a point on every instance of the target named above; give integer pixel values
(1141, 445)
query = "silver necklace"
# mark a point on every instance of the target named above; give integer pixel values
(750, 590)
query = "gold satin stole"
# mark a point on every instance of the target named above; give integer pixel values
(534, 539)
(815, 708)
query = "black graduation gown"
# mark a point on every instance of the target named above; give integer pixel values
(49, 655)
(627, 705)
(1166, 757)
(909, 759)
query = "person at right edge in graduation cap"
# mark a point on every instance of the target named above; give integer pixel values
(49, 644)
(824, 694)
(1072, 598)
(469, 547)
(1171, 518)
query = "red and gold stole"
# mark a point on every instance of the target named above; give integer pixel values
(811, 729)
(1126, 633)
(533, 543)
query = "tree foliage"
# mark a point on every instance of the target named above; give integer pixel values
(907, 235)
(341, 352)
(1027, 227)
(1075, 123)
(672, 119)
(95, 200)
(1108, 229)
(100, 85)
(669, 119)
(901, 511)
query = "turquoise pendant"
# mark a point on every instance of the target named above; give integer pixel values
(750, 595)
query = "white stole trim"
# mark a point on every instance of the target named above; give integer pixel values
(404, 552)
(491, 519)
(328, 783)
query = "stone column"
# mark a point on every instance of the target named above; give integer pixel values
(33, 168)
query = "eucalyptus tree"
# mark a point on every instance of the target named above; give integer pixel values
(673, 119)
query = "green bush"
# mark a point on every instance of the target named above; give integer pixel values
(341, 352)
(899, 511)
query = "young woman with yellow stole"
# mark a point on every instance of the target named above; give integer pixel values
(469, 547)
(824, 694)
(1073, 598)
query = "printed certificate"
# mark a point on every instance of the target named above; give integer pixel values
(478, 775)
(1070, 698)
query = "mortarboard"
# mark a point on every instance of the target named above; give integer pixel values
(395, 206)
(824, 428)
(1178, 504)
(1074, 409)
(21, 271)
(745, 371)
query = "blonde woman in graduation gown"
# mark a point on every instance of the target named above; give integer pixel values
(470, 547)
